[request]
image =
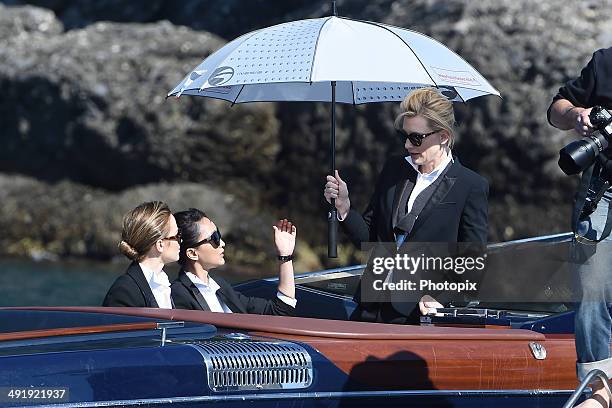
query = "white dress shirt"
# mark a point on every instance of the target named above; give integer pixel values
(160, 286)
(425, 180)
(215, 303)
(210, 293)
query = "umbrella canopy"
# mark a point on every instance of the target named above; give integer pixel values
(296, 61)
(332, 59)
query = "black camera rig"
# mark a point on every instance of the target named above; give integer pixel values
(580, 154)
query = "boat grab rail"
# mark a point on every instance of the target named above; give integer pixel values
(589, 377)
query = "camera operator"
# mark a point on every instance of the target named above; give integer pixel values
(570, 109)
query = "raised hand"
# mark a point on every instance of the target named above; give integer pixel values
(284, 237)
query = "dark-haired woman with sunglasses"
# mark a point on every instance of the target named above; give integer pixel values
(202, 250)
(425, 195)
(151, 239)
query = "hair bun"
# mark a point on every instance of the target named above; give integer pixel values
(128, 250)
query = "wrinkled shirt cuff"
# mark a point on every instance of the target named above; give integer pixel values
(286, 299)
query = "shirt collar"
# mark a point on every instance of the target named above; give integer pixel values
(152, 278)
(212, 285)
(436, 171)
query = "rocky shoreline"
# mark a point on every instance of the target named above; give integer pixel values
(57, 221)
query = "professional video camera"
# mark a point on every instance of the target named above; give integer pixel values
(580, 154)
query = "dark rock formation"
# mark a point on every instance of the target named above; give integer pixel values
(226, 18)
(88, 104)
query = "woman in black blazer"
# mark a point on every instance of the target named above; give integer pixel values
(202, 250)
(424, 196)
(150, 238)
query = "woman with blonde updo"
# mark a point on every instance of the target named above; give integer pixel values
(422, 195)
(151, 239)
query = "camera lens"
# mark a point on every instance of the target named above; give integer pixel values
(580, 154)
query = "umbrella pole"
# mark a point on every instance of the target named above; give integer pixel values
(332, 228)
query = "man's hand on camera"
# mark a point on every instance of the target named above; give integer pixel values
(582, 123)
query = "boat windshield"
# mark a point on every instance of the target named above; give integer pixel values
(530, 275)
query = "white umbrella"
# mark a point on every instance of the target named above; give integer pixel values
(332, 59)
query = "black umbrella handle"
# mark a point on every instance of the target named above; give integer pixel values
(332, 231)
(332, 219)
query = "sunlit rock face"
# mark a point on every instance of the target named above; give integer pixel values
(89, 105)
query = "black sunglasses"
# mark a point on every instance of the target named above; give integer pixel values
(415, 138)
(215, 239)
(176, 238)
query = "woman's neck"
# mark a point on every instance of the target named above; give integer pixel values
(154, 264)
(431, 165)
(199, 271)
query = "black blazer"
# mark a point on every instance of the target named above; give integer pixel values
(130, 289)
(186, 295)
(456, 211)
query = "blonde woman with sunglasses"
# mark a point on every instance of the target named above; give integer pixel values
(423, 195)
(150, 239)
(202, 250)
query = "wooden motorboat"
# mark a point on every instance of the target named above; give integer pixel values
(153, 357)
